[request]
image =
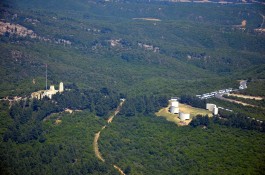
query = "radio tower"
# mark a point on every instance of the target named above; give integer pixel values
(46, 77)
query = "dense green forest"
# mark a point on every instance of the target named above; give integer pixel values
(32, 142)
(150, 145)
(140, 50)
(62, 149)
(199, 46)
(139, 144)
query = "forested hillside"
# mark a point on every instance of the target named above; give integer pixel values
(149, 145)
(125, 59)
(115, 44)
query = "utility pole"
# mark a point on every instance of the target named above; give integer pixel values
(46, 76)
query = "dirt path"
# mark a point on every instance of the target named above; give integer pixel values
(119, 170)
(246, 96)
(97, 136)
(110, 119)
(234, 101)
(95, 145)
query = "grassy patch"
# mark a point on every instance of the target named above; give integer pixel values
(164, 112)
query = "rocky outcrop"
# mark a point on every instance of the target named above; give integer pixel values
(149, 47)
(16, 29)
(7, 28)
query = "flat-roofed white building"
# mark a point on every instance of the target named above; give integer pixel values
(174, 106)
(212, 107)
(175, 103)
(174, 110)
(184, 116)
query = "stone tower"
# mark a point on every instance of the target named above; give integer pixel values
(61, 89)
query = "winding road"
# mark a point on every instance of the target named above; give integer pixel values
(97, 136)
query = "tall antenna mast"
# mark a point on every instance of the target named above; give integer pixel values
(46, 77)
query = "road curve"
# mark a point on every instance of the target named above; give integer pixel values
(97, 135)
(96, 149)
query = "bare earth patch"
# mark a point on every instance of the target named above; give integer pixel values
(164, 112)
(119, 170)
(57, 122)
(95, 145)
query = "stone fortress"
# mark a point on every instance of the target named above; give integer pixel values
(48, 92)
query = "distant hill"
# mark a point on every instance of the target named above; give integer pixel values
(133, 47)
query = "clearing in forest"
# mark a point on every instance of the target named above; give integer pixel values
(164, 112)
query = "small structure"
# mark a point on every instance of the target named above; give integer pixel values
(243, 85)
(61, 88)
(174, 98)
(174, 107)
(52, 88)
(215, 110)
(174, 110)
(184, 116)
(175, 103)
(47, 93)
(212, 107)
(36, 95)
